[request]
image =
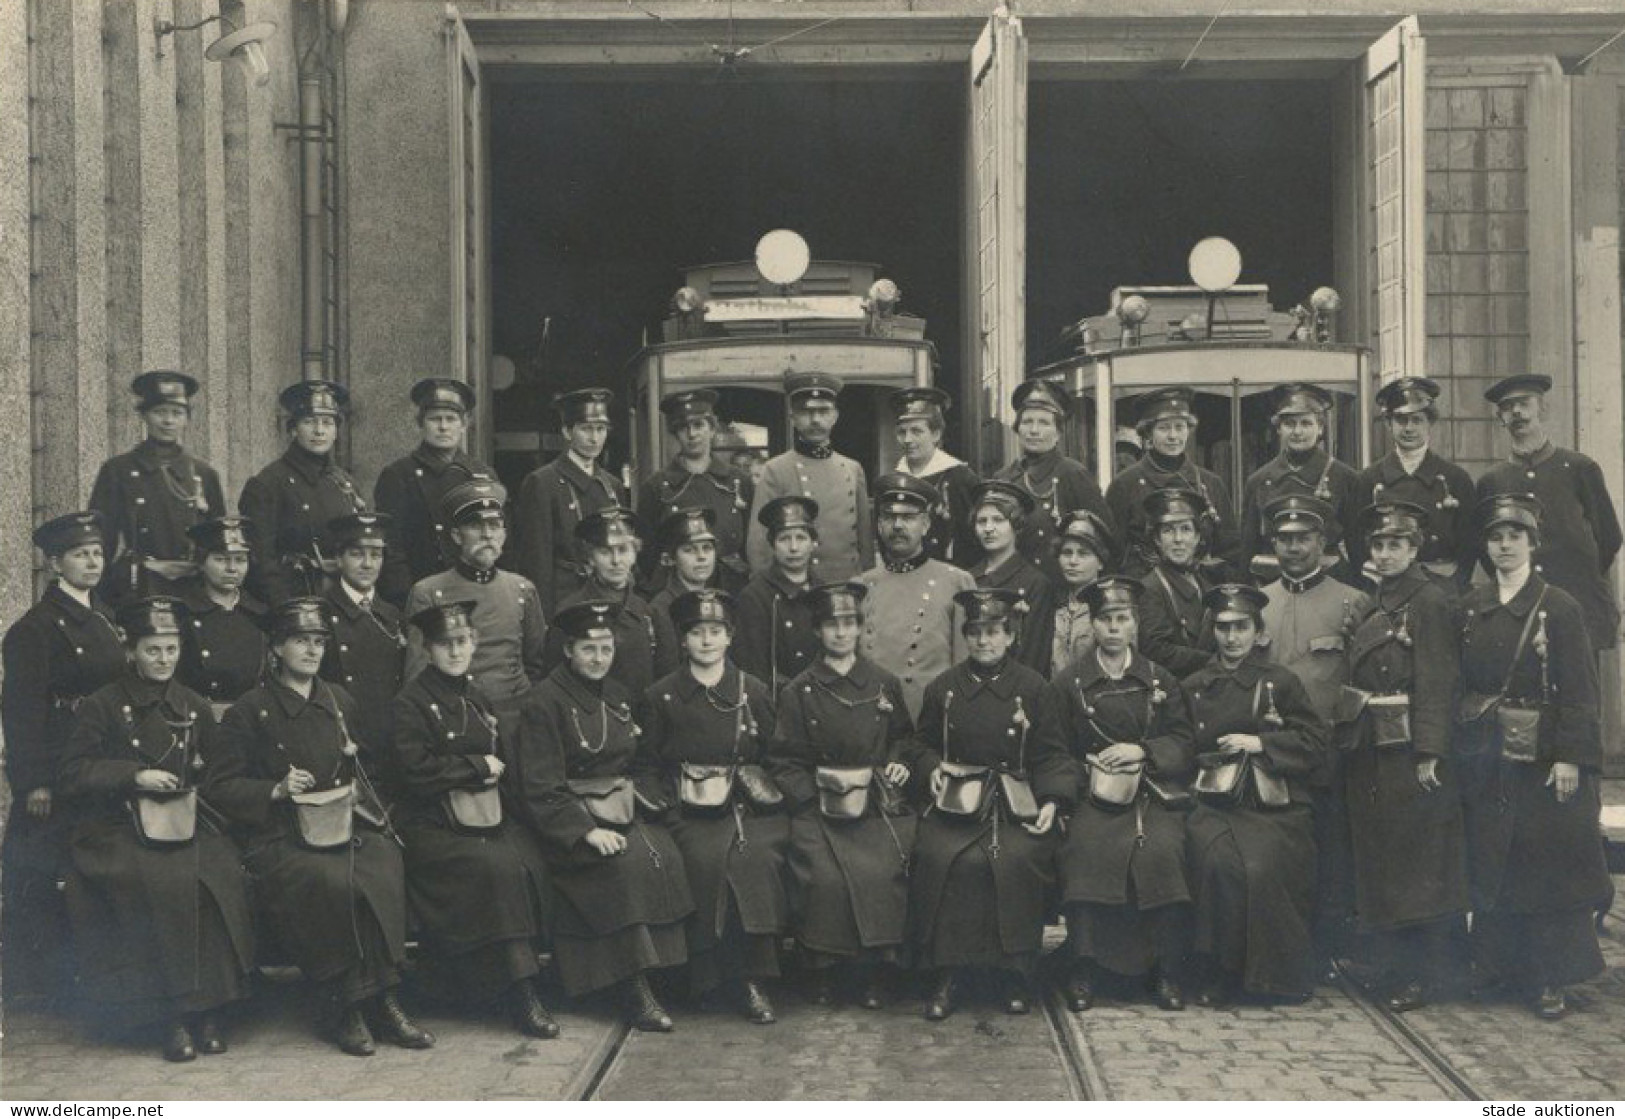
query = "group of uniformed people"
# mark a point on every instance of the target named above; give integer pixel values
(904, 724)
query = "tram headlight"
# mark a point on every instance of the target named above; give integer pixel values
(1133, 311)
(1325, 301)
(884, 296)
(688, 301)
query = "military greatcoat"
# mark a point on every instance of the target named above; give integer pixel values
(1253, 869)
(513, 637)
(1176, 630)
(613, 916)
(1318, 475)
(289, 504)
(721, 489)
(159, 931)
(846, 531)
(148, 498)
(1307, 625)
(223, 648)
(980, 885)
(367, 655)
(1060, 485)
(774, 635)
(410, 490)
(848, 878)
(552, 501)
(911, 624)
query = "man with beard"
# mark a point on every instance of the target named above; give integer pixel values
(697, 477)
(1304, 466)
(912, 628)
(813, 469)
(507, 611)
(1579, 528)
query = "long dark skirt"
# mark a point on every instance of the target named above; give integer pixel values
(977, 895)
(1410, 846)
(848, 882)
(1534, 950)
(614, 916)
(1128, 940)
(1254, 877)
(1112, 854)
(735, 868)
(341, 914)
(34, 938)
(159, 931)
(1530, 853)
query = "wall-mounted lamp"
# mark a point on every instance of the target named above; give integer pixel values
(245, 44)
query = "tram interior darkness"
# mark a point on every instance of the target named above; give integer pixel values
(603, 192)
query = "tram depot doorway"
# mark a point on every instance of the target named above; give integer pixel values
(601, 192)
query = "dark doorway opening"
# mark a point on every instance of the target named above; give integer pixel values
(602, 192)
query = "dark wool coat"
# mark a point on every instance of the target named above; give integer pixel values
(1035, 625)
(994, 722)
(1528, 852)
(289, 504)
(310, 898)
(1175, 628)
(723, 490)
(137, 909)
(1107, 848)
(552, 500)
(849, 885)
(367, 656)
(645, 643)
(149, 497)
(410, 491)
(468, 888)
(952, 536)
(774, 635)
(1333, 478)
(1253, 869)
(1442, 489)
(222, 651)
(1126, 499)
(736, 852)
(1060, 485)
(1410, 855)
(571, 729)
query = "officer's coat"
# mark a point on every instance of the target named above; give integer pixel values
(366, 654)
(1443, 490)
(149, 497)
(289, 504)
(552, 501)
(1126, 498)
(1319, 475)
(1579, 529)
(508, 614)
(721, 489)
(774, 635)
(222, 650)
(1307, 625)
(911, 625)
(846, 531)
(409, 490)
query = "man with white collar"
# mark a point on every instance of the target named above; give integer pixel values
(919, 427)
(1579, 532)
(814, 469)
(912, 626)
(554, 498)
(367, 651)
(1414, 472)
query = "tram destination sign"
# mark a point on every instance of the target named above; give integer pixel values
(846, 308)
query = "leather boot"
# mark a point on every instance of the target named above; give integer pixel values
(210, 1041)
(942, 1000)
(178, 1045)
(1170, 996)
(529, 1013)
(1017, 998)
(648, 1016)
(758, 1007)
(352, 1034)
(1550, 1003)
(396, 1028)
(873, 995)
(1080, 988)
(823, 993)
(1411, 996)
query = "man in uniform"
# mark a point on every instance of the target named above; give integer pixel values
(812, 468)
(367, 652)
(920, 424)
(912, 627)
(1579, 527)
(774, 634)
(1302, 466)
(554, 498)
(698, 476)
(409, 490)
(1413, 472)
(1167, 419)
(507, 610)
(150, 496)
(288, 504)
(1176, 630)
(1058, 484)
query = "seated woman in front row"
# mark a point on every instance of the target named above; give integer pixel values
(1250, 845)
(984, 853)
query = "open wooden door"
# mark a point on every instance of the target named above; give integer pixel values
(1393, 137)
(470, 302)
(996, 260)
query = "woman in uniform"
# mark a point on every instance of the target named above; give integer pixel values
(63, 649)
(1532, 747)
(984, 854)
(160, 910)
(1250, 845)
(619, 894)
(476, 880)
(1084, 552)
(707, 726)
(1404, 809)
(1126, 722)
(327, 876)
(223, 653)
(999, 510)
(843, 751)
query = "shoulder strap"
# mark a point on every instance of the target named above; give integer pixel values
(1523, 640)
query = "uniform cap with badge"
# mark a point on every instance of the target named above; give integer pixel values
(1172, 504)
(445, 620)
(1522, 509)
(1392, 518)
(607, 527)
(922, 402)
(358, 530)
(830, 601)
(153, 616)
(221, 536)
(1046, 396)
(688, 526)
(1300, 399)
(988, 604)
(306, 614)
(163, 386)
(1406, 395)
(1112, 592)
(1298, 512)
(801, 388)
(1165, 404)
(1009, 498)
(898, 492)
(692, 404)
(1231, 602)
(443, 393)
(314, 398)
(584, 620)
(1083, 526)
(1518, 385)
(475, 500)
(583, 406)
(787, 512)
(691, 608)
(69, 531)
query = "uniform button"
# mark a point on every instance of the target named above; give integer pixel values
(1201, 726)
(789, 625)
(205, 653)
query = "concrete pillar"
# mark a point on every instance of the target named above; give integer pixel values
(16, 313)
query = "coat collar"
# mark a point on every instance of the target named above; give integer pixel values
(336, 596)
(434, 465)
(940, 462)
(729, 688)
(143, 695)
(1309, 470)
(448, 690)
(863, 673)
(577, 477)
(198, 601)
(1003, 685)
(1541, 454)
(1140, 669)
(1484, 600)
(1302, 586)
(1006, 574)
(776, 579)
(677, 476)
(1246, 674)
(1392, 594)
(308, 466)
(580, 693)
(1390, 472)
(71, 606)
(153, 455)
(293, 704)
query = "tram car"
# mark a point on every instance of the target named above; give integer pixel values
(1224, 341)
(739, 327)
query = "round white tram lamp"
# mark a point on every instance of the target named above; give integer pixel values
(1215, 266)
(782, 257)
